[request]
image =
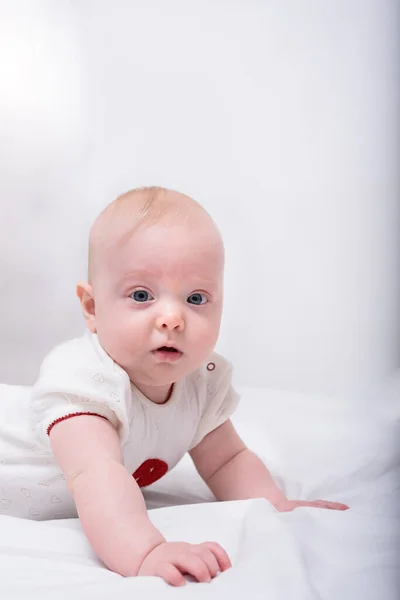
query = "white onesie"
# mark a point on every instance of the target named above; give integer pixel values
(79, 377)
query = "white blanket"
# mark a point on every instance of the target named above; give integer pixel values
(317, 448)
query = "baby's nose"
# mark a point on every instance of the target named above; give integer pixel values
(171, 319)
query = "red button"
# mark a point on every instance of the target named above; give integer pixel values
(150, 471)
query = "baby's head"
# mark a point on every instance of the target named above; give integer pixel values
(155, 287)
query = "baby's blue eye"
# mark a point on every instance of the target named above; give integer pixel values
(141, 296)
(197, 299)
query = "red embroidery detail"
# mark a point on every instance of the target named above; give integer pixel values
(77, 414)
(169, 394)
(150, 471)
(210, 366)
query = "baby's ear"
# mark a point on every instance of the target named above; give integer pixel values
(84, 292)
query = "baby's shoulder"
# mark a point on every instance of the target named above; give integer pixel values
(75, 353)
(81, 367)
(216, 369)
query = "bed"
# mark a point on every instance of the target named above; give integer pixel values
(317, 447)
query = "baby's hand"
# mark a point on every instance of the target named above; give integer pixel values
(288, 505)
(171, 560)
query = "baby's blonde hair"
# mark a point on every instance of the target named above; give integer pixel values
(136, 208)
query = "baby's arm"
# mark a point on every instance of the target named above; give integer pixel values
(112, 511)
(109, 502)
(233, 472)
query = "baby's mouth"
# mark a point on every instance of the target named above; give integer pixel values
(167, 354)
(167, 349)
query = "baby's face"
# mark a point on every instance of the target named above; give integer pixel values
(158, 302)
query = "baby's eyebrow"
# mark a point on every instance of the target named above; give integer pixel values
(197, 280)
(141, 273)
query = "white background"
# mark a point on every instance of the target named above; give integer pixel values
(280, 117)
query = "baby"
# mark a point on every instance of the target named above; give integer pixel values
(113, 411)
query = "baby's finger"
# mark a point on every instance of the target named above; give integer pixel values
(193, 565)
(331, 505)
(220, 554)
(209, 559)
(171, 575)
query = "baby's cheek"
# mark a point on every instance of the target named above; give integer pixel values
(133, 336)
(121, 336)
(206, 338)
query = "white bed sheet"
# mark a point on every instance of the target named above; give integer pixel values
(316, 447)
